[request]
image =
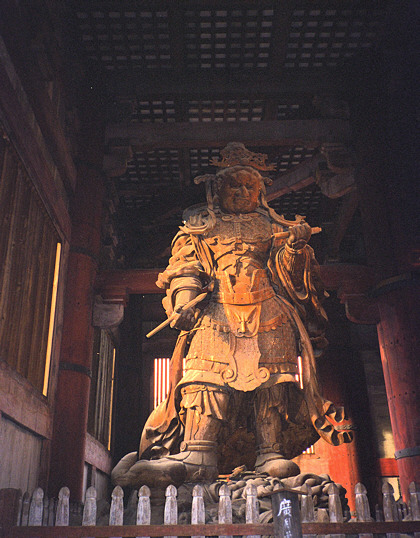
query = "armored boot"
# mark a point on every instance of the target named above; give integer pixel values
(198, 457)
(197, 462)
(269, 457)
(274, 464)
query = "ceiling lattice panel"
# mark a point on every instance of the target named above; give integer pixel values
(225, 110)
(288, 111)
(200, 160)
(120, 39)
(149, 170)
(219, 110)
(290, 157)
(230, 38)
(153, 170)
(323, 37)
(153, 111)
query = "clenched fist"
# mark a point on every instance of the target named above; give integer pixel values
(299, 235)
(184, 320)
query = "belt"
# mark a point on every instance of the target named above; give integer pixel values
(248, 297)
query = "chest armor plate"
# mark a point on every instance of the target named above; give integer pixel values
(241, 246)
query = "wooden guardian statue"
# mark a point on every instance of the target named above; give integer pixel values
(261, 311)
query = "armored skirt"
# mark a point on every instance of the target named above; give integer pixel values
(238, 379)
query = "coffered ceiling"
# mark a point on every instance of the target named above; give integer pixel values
(178, 80)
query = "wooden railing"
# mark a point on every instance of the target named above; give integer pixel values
(39, 517)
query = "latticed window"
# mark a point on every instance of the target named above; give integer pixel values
(102, 388)
(29, 261)
(160, 380)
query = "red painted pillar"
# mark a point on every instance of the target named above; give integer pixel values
(399, 341)
(343, 465)
(337, 374)
(73, 385)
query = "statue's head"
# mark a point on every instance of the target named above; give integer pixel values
(238, 186)
(238, 189)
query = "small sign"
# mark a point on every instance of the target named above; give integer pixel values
(286, 515)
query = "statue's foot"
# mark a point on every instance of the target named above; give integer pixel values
(199, 459)
(275, 465)
(196, 463)
(130, 472)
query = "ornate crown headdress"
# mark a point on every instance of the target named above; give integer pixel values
(236, 153)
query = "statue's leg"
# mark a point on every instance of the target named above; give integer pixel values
(203, 410)
(268, 426)
(200, 426)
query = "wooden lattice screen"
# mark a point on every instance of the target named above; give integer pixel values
(101, 395)
(28, 245)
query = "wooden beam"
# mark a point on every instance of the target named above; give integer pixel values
(97, 455)
(175, 22)
(388, 467)
(116, 285)
(133, 5)
(352, 283)
(270, 109)
(299, 177)
(347, 278)
(145, 137)
(292, 84)
(184, 166)
(23, 404)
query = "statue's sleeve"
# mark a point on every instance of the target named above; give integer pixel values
(184, 271)
(298, 276)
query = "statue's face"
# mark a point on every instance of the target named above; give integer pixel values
(239, 192)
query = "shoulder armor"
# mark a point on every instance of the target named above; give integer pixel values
(196, 219)
(194, 212)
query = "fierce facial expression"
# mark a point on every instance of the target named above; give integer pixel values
(239, 192)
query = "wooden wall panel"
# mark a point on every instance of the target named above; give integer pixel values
(27, 252)
(20, 456)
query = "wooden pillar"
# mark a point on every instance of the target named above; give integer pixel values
(399, 342)
(383, 89)
(72, 395)
(342, 381)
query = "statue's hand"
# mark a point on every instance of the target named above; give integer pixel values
(184, 320)
(299, 235)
